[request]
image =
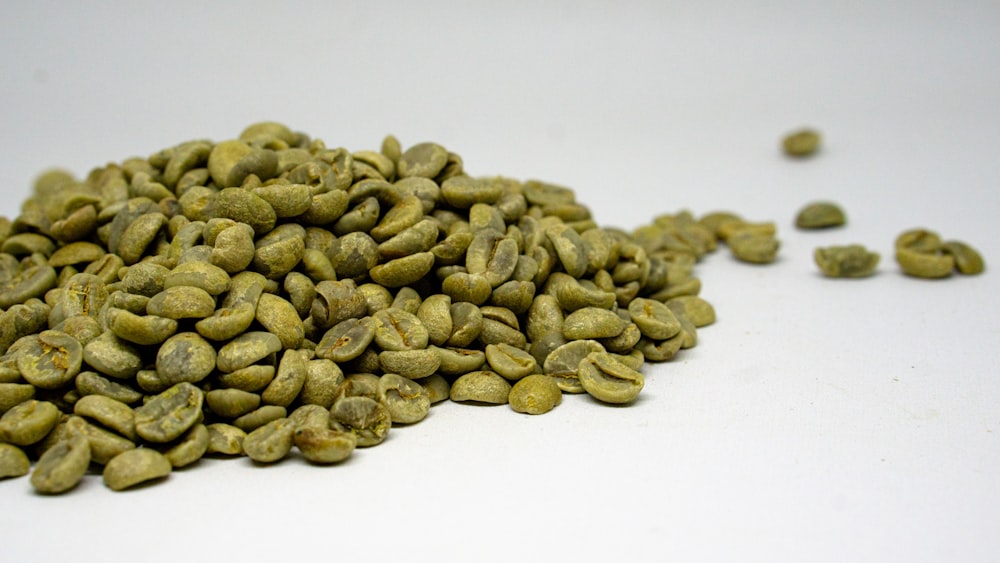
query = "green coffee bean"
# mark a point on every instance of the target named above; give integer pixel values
(252, 378)
(323, 377)
(22, 320)
(247, 348)
(924, 264)
(50, 359)
(288, 380)
(697, 310)
(133, 467)
(224, 439)
(13, 461)
(62, 466)
(182, 302)
(113, 357)
(510, 362)
(368, 419)
(185, 357)
(212, 279)
(591, 323)
(324, 445)
(633, 359)
(359, 384)
(403, 271)
(801, 143)
(231, 403)
(280, 250)
(563, 363)
(144, 278)
(359, 219)
(234, 249)
(535, 394)
(110, 413)
(31, 282)
(497, 332)
(407, 299)
(420, 237)
(227, 322)
(820, 215)
(190, 448)
(569, 248)
(654, 319)
(753, 248)
(423, 160)
(337, 301)
(492, 255)
(310, 416)
(967, 259)
(437, 387)
(257, 418)
(465, 287)
(481, 387)
(144, 330)
(301, 292)
(435, 314)
(396, 329)
(279, 317)
(413, 364)
(853, 261)
(609, 380)
(28, 422)
(452, 249)
(347, 340)
(919, 240)
(169, 414)
(271, 442)
(514, 295)
(571, 295)
(82, 328)
(13, 394)
(90, 383)
(76, 253)
(407, 401)
(463, 192)
(287, 200)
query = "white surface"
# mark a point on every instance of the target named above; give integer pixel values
(818, 420)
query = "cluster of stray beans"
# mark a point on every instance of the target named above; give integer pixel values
(269, 295)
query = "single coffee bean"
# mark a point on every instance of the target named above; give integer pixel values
(28, 422)
(224, 439)
(408, 402)
(271, 442)
(801, 143)
(185, 357)
(968, 260)
(928, 264)
(535, 394)
(169, 414)
(482, 386)
(50, 359)
(609, 380)
(133, 467)
(820, 215)
(368, 419)
(62, 466)
(13, 461)
(110, 413)
(852, 261)
(189, 448)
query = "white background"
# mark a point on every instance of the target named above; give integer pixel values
(817, 420)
